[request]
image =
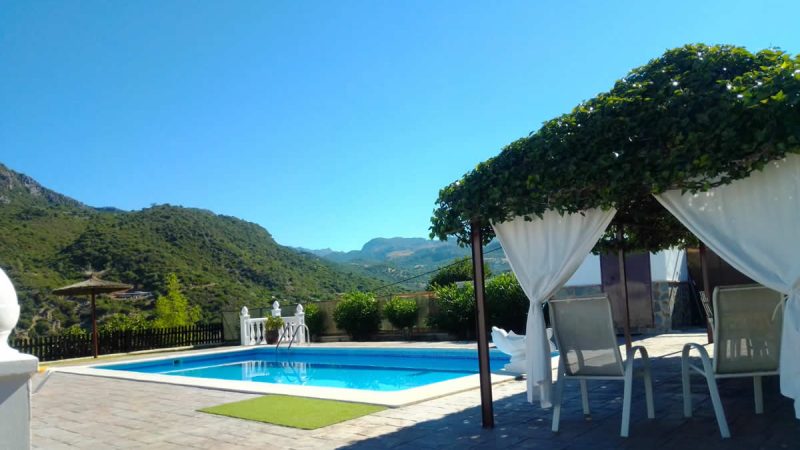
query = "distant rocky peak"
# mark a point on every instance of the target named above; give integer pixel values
(389, 245)
(15, 186)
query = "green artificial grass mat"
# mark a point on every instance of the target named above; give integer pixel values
(295, 412)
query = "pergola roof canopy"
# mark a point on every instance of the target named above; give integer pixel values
(695, 118)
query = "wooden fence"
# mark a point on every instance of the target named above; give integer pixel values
(52, 348)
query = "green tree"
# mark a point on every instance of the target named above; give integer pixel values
(460, 270)
(173, 309)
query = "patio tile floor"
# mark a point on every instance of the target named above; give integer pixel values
(74, 411)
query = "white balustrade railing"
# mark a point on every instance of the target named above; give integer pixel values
(254, 330)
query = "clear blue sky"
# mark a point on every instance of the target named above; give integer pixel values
(327, 122)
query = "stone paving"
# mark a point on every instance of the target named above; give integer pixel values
(73, 411)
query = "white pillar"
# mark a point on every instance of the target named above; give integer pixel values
(301, 321)
(244, 326)
(276, 309)
(16, 370)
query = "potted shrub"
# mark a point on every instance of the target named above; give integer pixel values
(274, 324)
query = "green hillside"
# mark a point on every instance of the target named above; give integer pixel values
(48, 240)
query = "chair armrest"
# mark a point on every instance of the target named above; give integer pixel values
(630, 355)
(704, 358)
(636, 348)
(699, 347)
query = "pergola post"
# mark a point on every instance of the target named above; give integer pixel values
(94, 328)
(487, 410)
(623, 279)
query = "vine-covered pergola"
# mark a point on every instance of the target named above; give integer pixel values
(694, 119)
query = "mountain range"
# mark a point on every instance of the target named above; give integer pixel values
(408, 261)
(48, 240)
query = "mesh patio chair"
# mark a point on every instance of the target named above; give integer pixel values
(747, 343)
(588, 350)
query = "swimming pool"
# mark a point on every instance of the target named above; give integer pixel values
(389, 376)
(369, 369)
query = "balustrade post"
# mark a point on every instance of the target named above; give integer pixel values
(276, 309)
(300, 314)
(16, 370)
(244, 326)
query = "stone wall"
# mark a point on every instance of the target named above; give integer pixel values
(578, 291)
(673, 306)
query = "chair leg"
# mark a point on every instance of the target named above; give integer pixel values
(686, 382)
(585, 398)
(718, 410)
(758, 392)
(648, 392)
(626, 405)
(557, 400)
(628, 379)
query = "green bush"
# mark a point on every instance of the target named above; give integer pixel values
(315, 320)
(402, 312)
(456, 310)
(506, 303)
(74, 331)
(358, 314)
(125, 322)
(506, 307)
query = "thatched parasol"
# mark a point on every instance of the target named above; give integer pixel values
(93, 286)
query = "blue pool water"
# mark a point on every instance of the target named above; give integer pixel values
(369, 369)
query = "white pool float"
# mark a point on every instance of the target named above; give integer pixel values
(513, 344)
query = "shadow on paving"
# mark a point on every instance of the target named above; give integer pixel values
(520, 424)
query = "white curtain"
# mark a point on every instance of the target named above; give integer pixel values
(544, 253)
(754, 224)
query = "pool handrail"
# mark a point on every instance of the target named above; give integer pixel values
(307, 336)
(294, 336)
